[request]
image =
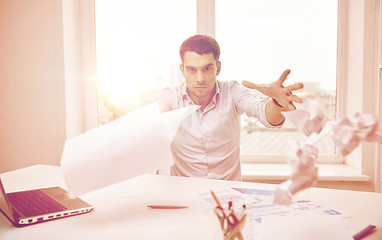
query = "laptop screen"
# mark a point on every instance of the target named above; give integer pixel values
(4, 204)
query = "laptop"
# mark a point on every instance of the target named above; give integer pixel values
(35, 206)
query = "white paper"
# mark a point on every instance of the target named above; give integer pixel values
(308, 226)
(347, 134)
(136, 143)
(302, 160)
(308, 118)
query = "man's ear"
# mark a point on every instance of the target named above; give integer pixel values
(218, 67)
(181, 66)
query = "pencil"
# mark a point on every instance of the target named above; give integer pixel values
(166, 206)
(216, 199)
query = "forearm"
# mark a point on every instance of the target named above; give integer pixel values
(273, 113)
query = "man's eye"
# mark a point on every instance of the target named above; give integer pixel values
(191, 69)
(208, 68)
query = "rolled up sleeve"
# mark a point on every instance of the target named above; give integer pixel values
(252, 106)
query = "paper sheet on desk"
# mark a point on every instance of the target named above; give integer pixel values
(136, 143)
(314, 226)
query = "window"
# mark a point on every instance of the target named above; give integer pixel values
(137, 55)
(137, 51)
(260, 39)
(358, 85)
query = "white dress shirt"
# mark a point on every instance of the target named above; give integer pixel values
(207, 143)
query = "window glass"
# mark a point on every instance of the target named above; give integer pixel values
(259, 39)
(137, 51)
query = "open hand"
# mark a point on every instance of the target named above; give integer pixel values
(276, 90)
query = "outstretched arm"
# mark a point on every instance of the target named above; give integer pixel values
(283, 96)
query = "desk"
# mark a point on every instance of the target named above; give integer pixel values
(113, 224)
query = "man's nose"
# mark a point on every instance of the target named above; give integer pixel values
(200, 77)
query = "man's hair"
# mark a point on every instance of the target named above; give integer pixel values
(201, 44)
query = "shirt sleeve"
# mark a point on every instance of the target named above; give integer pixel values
(249, 104)
(166, 99)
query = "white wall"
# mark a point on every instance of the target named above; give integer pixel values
(32, 97)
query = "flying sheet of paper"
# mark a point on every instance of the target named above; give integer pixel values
(308, 117)
(136, 143)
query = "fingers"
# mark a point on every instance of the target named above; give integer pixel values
(288, 107)
(294, 87)
(283, 76)
(291, 106)
(250, 85)
(294, 98)
(289, 88)
(288, 100)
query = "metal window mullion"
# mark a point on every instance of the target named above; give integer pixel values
(205, 17)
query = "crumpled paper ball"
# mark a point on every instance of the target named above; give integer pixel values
(302, 160)
(347, 134)
(308, 118)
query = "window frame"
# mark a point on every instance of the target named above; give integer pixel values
(358, 50)
(80, 71)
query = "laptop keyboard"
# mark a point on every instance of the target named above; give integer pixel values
(34, 202)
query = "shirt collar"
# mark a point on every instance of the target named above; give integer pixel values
(183, 89)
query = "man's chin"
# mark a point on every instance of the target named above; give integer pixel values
(201, 94)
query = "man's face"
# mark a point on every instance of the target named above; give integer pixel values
(200, 73)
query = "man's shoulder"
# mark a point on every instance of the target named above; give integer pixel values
(168, 98)
(228, 85)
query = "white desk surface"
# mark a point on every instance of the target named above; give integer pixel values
(116, 206)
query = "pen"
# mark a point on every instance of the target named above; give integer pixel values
(242, 212)
(364, 232)
(229, 205)
(166, 206)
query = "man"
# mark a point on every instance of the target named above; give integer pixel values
(207, 143)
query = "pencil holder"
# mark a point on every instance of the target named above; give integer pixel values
(231, 223)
